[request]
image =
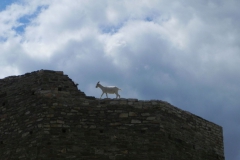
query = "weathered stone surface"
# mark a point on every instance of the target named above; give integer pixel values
(44, 116)
(135, 121)
(115, 124)
(123, 115)
(132, 114)
(145, 114)
(151, 118)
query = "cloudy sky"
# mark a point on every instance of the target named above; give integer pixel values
(181, 51)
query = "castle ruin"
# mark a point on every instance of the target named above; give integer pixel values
(44, 116)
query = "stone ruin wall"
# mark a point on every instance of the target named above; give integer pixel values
(44, 116)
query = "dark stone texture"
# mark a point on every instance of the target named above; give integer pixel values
(44, 116)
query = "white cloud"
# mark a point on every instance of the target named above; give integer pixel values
(8, 69)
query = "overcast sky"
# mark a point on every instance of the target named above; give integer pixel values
(182, 51)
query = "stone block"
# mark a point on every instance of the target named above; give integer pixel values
(56, 125)
(113, 102)
(25, 134)
(145, 114)
(60, 121)
(151, 118)
(92, 126)
(123, 115)
(132, 114)
(135, 121)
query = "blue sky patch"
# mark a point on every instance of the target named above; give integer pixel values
(111, 29)
(5, 3)
(25, 20)
(149, 19)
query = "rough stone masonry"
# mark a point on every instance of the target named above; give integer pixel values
(44, 116)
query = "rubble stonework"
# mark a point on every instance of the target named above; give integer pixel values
(44, 116)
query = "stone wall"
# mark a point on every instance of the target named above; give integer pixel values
(44, 116)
